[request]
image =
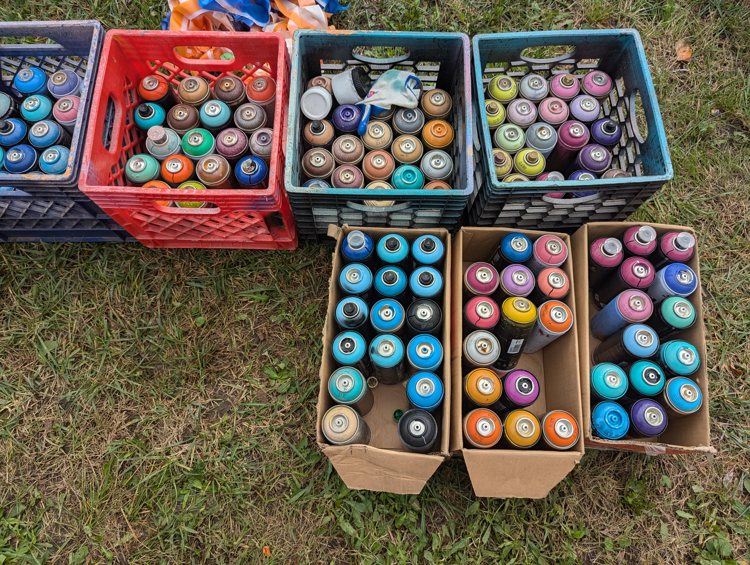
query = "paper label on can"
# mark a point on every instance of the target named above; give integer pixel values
(515, 346)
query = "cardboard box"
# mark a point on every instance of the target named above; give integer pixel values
(515, 473)
(383, 465)
(689, 434)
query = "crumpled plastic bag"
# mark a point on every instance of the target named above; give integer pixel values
(393, 88)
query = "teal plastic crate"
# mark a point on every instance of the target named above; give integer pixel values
(439, 60)
(642, 150)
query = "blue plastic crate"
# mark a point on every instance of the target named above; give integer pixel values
(644, 153)
(440, 60)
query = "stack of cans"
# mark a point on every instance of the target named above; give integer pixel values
(552, 129)
(202, 136)
(399, 148)
(36, 127)
(514, 304)
(642, 366)
(390, 323)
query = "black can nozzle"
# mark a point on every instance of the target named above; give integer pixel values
(426, 279)
(428, 245)
(390, 277)
(392, 244)
(317, 127)
(145, 111)
(350, 309)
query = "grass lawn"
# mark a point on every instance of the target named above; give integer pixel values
(160, 405)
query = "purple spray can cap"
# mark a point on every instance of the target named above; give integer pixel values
(595, 158)
(346, 118)
(231, 143)
(517, 280)
(585, 108)
(521, 387)
(647, 418)
(606, 132)
(572, 135)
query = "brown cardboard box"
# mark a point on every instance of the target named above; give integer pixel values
(686, 435)
(510, 472)
(383, 465)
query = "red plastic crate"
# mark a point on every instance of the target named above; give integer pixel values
(241, 218)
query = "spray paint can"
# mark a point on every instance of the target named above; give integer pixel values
(262, 91)
(161, 185)
(516, 280)
(347, 176)
(646, 378)
(20, 159)
(516, 177)
(516, 324)
(679, 358)
(346, 118)
(553, 111)
(387, 316)
(392, 249)
(12, 132)
(560, 430)
(30, 80)
(521, 112)
(615, 174)
(141, 168)
(424, 316)
(357, 247)
(594, 158)
(313, 183)
(609, 420)
(597, 83)
(215, 115)
(542, 138)
(605, 254)
(316, 103)
(673, 315)
(606, 132)
(418, 431)
(425, 391)
(481, 313)
(318, 163)
(194, 90)
(629, 307)
(481, 349)
(427, 250)
(502, 88)
(162, 142)
(8, 106)
(674, 247)
(177, 169)
(378, 135)
(322, 80)
(551, 283)
(555, 176)
(387, 358)
(251, 172)
(436, 103)
(554, 320)
(482, 428)
(348, 150)
(480, 279)
(533, 87)
(482, 387)
(424, 353)
(408, 121)
(676, 279)
(520, 389)
(503, 163)
(391, 281)
(634, 272)
(54, 160)
(510, 138)
(436, 165)
(584, 108)
(522, 429)
(318, 133)
(425, 282)
(647, 418)
(608, 381)
(191, 185)
(548, 251)
(261, 143)
(65, 112)
(351, 313)
(495, 114)
(230, 90)
(64, 83)
(355, 279)
(198, 143)
(182, 118)
(348, 386)
(155, 88)
(407, 177)
(437, 185)
(36, 108)
(633, 342)
(582, 175)
(681, 397)
(231, 144)
(407, 149)
(378, 165)
(437, 134)
(572, 136)
(250, 117)
(341, 425)
(529, 162)
(350, 349)
(382, 113)
(564, 86)
(514, 248)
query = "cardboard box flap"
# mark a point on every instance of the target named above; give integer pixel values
(370, 468)
(517, 474)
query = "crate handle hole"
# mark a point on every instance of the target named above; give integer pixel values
(210, 210)
(547, 54)
(193, 56)
(378, 209)
(570, 202)
(109, 124)
(380, 54)
(637, 117)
